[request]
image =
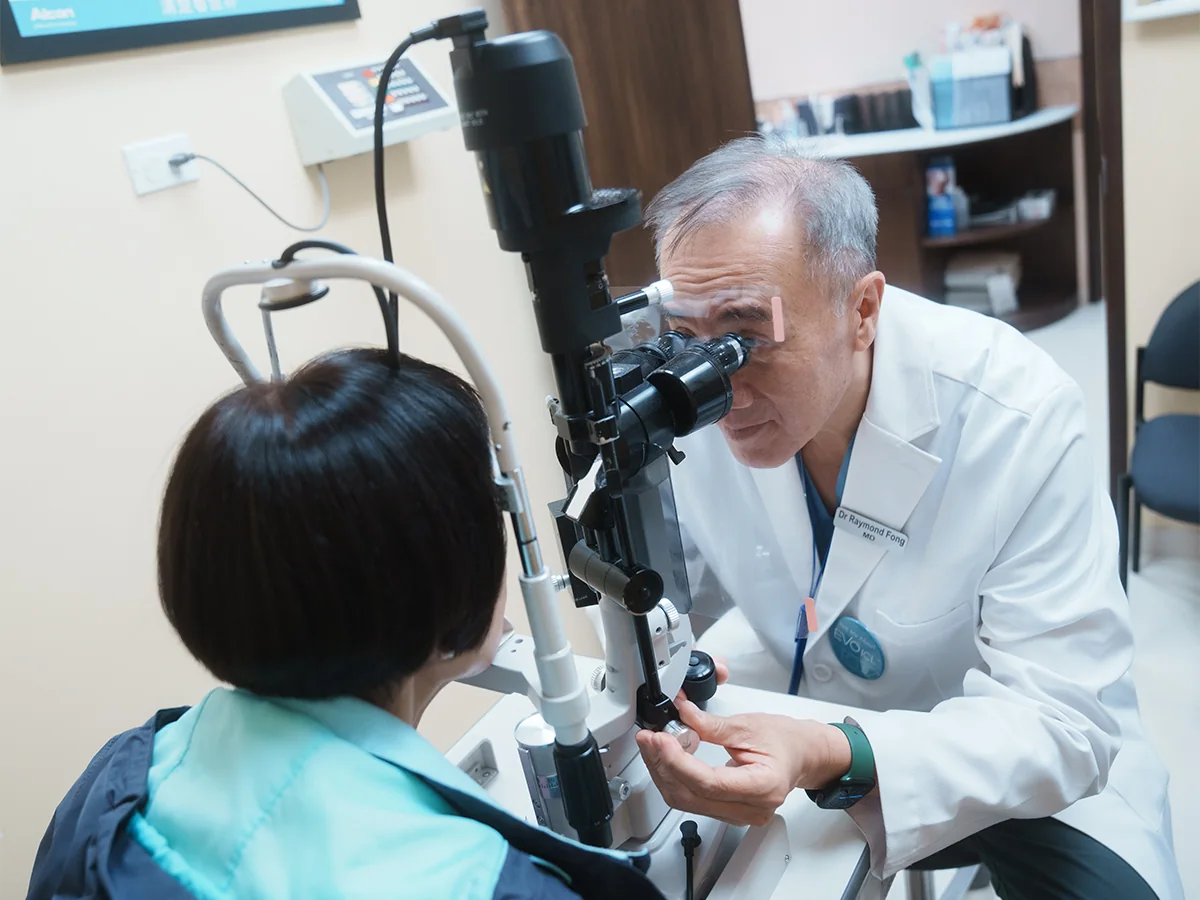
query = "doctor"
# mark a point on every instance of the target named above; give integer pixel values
(903, 507)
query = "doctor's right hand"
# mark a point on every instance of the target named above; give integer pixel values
(722, 668)
(770, 756)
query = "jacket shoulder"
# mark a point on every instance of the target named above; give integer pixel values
(524, 878)
(93, 814)
(982, 353)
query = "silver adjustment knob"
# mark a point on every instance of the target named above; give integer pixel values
(672, 614)
(599, 679)
(561, 582)
(687, 738)
(619, 789)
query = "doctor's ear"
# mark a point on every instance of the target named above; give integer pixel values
(865, 300)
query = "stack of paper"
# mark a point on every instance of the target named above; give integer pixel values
(986, 282)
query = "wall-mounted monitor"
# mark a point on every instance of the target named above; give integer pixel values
(49, 29)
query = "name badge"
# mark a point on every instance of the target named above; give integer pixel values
(869, 529)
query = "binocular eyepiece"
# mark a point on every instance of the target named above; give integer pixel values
(674, 385)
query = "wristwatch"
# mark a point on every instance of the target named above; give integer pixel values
(859, 781)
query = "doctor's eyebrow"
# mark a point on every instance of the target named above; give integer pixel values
(745, 312)
(752, 311)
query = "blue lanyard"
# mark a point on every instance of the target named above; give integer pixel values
(818, 564)
(818, 569)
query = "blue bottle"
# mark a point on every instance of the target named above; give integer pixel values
(939, 191)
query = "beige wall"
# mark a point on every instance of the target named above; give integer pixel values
(104, 359)
(1162, 181)
(797, 48)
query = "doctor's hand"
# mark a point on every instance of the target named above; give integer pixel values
(722, 668)
(770, 755)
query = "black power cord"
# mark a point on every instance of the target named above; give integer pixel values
(182, 159)
(690, 841)
(449, 27)
(389, 323)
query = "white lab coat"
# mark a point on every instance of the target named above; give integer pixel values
(1007, 690)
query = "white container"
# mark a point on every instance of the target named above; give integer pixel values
(1036, 206)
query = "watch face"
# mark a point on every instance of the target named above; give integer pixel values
(842, 795)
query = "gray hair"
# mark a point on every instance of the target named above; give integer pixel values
(829, 196)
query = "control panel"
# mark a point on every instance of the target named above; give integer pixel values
(332, 111)
(352, 91)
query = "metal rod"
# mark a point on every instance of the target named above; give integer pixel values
(523, 528)
(920, 885)
(269, 331)
(645, 644)
(859, 878)
(960, 884)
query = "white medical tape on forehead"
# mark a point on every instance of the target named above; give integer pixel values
(767, 301)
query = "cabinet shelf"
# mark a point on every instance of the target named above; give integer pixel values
(1134, 11)
(1040, 307)
(985, 234)
(919, 140)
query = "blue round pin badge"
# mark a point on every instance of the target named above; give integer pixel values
(856, 648)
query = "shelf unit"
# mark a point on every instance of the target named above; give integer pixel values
(915, 140)
(1133, 11)
(1002, 161)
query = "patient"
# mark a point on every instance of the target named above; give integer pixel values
(332, 548)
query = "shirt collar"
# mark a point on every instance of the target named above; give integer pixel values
(384, 736)
(388, 738)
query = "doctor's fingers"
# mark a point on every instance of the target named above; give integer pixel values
(681, 792)
(729, 813)
(734, 731)
(750, 786)
(684, 800)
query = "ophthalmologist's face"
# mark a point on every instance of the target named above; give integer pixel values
(726, 277)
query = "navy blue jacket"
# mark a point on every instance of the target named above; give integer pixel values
(88, 851)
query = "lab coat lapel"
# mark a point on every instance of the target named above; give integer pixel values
(782, 496)
(888, 474)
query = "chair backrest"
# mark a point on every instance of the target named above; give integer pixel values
(1172, 357)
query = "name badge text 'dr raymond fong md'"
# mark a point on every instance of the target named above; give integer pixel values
(868, 529)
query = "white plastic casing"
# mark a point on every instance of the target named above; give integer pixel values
(329, 124)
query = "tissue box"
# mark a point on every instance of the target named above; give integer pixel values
(972, 87)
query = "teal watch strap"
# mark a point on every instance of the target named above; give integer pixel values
(856, 783)
(862, 757)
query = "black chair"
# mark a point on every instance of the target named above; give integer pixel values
(1164, 468)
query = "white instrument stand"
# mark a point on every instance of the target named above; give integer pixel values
(804, 852)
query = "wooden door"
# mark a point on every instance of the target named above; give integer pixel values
(663, 81)
(1100, 33)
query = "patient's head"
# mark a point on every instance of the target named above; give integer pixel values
(334, 533)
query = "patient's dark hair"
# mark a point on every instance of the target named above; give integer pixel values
(324, 536)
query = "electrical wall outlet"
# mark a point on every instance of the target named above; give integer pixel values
(149, 166)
